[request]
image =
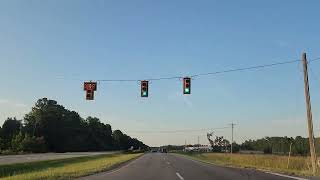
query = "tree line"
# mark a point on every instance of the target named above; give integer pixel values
(50, 127)
(280, 145)
(267, 145)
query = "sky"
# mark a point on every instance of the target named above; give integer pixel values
(48, 48)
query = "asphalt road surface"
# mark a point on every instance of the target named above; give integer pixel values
(11, 159)
(158, 166)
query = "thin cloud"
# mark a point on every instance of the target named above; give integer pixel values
(12, 103)
(20, 105)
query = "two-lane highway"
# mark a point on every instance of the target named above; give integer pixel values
(160, 166)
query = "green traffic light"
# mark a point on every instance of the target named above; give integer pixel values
(144, 93)
(186, 90)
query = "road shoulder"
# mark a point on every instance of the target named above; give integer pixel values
(281, 174)
(113, 168)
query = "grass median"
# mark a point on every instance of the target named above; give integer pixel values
(297, 166)
(64, 168)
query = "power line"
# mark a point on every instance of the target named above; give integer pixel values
(208, 73)
(135, 80)
(246, 68)
(199, 74)
(144, 82)
(316, 59)
(313, 74)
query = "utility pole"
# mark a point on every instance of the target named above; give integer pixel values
(289, 155)
(232, 126)
(309, 113)
(199, 143)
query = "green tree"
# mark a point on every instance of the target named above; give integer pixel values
(2, 145)
(75, 132)
(33, 144)
(46, 119)
(51, 127)
(10, 128)
(300, 146)
(118, 139)
(124, 142)
(16, 145)
(55, 123)
(99, 134)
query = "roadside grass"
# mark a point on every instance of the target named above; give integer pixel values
(276, 163)
(64, 168)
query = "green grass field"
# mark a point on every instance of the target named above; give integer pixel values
(276, 163)
(64, 168)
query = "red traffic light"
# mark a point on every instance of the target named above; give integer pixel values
(90, 87)
(144, 88)
(186, 85)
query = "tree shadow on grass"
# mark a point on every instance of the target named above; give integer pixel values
(15, 169)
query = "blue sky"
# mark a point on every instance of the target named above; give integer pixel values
(48, 47)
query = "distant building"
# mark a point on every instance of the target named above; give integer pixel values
(202, 148)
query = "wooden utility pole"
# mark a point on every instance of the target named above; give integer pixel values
(309, 114)
(232, 126)
(199, 143)
(289, 155)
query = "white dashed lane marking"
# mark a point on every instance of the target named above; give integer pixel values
(179, 176)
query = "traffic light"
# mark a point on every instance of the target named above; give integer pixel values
(90, 87)
(89, 95)
(186, 85)
(144, 88)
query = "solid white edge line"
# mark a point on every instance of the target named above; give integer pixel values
(287, 176)
(123, 167)
(180, 177)
(261, 170)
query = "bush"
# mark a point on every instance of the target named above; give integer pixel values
(7, 152)
(2, 145)
(33, 144)
(16, 143)
(26, 143)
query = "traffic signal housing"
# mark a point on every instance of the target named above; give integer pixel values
(89, 95)
(144, 88)
(186, 85)
(90, 87)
